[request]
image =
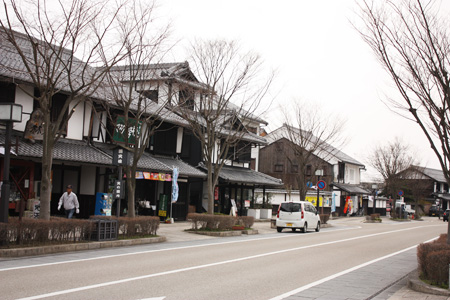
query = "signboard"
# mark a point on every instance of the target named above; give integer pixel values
(321, 184)
(162, 211)
(400, 193)
(120, 157)
(313, 200)
(309, 184)
(34, 130)
(153, 176)
(119, 189)
(134, 129)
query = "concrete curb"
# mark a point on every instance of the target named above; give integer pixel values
(219, 233)
(418, 285)
(33, 251)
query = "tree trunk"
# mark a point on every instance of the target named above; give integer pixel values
(131, 189)
(210, 188)
(47, 161)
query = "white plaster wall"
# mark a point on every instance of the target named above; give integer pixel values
(26, 101)
(87, 118)
(75, 123)
(87, 184)
(179, 139)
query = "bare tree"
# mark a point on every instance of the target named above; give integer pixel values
(390, 160)
(412, 43)
(141, 112)
(311, 134)
(230, 91)
(51, 34)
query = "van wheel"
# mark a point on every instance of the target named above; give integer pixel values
(305, 228)
(279, 229)
(318, 227)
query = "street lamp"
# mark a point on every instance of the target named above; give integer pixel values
(9, 113)
(374, 187)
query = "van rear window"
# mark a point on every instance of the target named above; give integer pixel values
(290, 207)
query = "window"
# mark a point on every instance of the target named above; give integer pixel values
(294, 168)
(308, 170)
(279, 168)
(186, 98)
(152, 95)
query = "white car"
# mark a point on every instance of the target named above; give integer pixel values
(297, 215)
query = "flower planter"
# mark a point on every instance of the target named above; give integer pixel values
(238, 227)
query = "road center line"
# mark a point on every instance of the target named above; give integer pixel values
(94, 286)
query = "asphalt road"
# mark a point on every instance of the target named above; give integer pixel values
(248, 267)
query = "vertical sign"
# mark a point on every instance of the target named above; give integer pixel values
(119, 189)
(175, 185)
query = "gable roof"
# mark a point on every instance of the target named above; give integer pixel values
(328, 153)
(435, 174)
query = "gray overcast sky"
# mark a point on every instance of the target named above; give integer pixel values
(320, 58)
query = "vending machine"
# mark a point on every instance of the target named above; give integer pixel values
(103, 204)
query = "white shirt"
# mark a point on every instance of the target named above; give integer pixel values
(70, 200)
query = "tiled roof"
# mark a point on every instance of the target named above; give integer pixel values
(327, 152)
(434, 174)
(351, 188)
(64, 150)
(183, 167)
(153, 163)
(12, 66)
(248, 176)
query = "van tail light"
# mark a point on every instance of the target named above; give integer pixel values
(278, 212)
(303, 214)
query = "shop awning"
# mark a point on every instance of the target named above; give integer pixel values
(248, 176)
(350, 188)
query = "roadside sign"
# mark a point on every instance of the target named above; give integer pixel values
(400, 193)
(321, 184)
(309, 184)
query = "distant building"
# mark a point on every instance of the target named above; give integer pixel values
(341, 174)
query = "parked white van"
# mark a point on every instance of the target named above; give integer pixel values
(299, 214)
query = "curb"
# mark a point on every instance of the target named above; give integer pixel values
(33, 251)
(418, 285)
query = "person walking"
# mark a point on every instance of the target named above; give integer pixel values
(70, 202)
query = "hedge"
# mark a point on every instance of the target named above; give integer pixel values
(36, 232)
(433, 259)
(218, 222)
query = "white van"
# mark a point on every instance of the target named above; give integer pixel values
(300, 214)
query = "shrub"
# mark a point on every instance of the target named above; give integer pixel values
(211, 222)
(437, 266)
(433, 259)
(374, 217)
(247, 221)
(324, 218)
(34, 232)
(138, 226)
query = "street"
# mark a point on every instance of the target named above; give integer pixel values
(263, 266)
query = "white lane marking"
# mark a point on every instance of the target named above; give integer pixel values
(305, 287)
(94, 286)
(169, 249)
(157, 298)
